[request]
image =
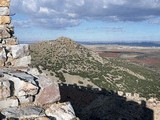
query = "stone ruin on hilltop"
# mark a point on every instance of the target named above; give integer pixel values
(11, 53)
(24, 93)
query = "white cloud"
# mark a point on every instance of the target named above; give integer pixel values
(44, 10)
(30, 5)
(67, 13)
(155, 21)
(22, 24)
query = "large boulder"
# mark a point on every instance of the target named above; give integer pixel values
(4, 89)
(19, 51)
(22, 86)
(9, 102)
(22, 62)
(4, 32)
(49, 92)
(61, 111)
(23, 112)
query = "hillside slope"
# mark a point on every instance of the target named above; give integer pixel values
(64, 56)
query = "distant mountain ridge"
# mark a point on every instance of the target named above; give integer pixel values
(142, 44)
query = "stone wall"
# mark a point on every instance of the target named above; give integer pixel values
(24, 92)
(11, 53)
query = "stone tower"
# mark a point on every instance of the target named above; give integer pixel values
(12, 54)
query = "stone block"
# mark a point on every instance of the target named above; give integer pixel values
(4, 11)
(25, 99)
(22, 62)
(3, 56)
(61, 111)
(10, 102)
(22, 87)
(5, 3)
(5, 20)
(4, 89)
(49, 92)
(11, 41)
(23, 112)
(20, 50)
(4, 32)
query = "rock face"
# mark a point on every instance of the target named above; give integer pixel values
(19, 51)
(5, 3)
(4, 11)
(5, 20)
(49, 92)
(4, 31)
(21, 87)
(18, 89)
(9, 102)
(4, 89)
(24, 112)
(62, 111)
(27, 88)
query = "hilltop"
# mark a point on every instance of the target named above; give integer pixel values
(69, 61)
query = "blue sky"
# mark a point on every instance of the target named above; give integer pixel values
(87, 20)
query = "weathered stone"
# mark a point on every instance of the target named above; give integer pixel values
(9, 61)
(22, 62)
(49, 92)
(4, 89)
(22, 87)
(23, 112)
(120, 93)
(24, 76)
(5, 20)
(25, 99)
(11, 41)
(3, 56)
(4, 11)
(4, 32)
(5, 3)
(19, 51)
(33, 71)
(61, 111)
(10, 102)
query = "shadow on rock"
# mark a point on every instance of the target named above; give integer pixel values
(92, 104)
(1, 116)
